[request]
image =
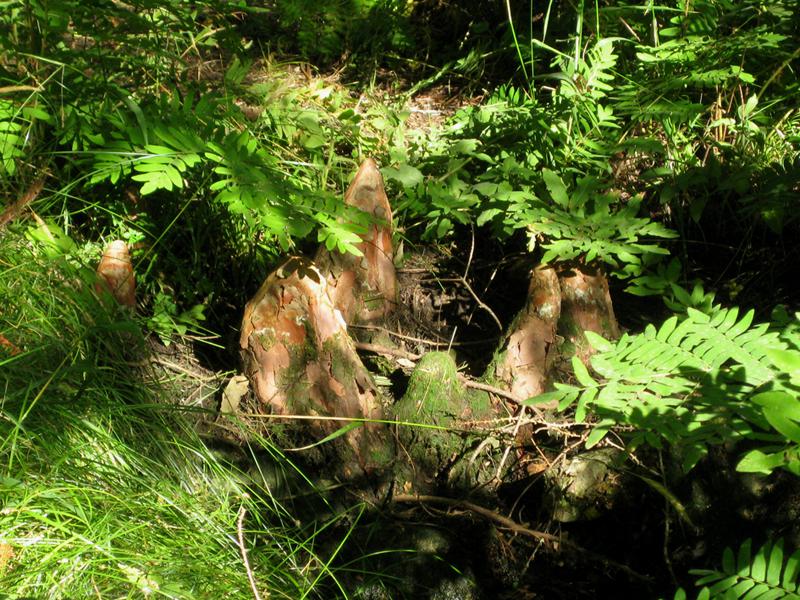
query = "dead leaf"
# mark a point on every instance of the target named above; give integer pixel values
(232, 395)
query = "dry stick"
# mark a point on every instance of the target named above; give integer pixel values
(240, 534)
(29, 196)
(480, 302)
(422, 340)
(507, 451)
(19, 88)
(485, 387)
(515, 527)
(390, 351)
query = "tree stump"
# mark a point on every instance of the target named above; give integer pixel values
(585, 306)
(115, 275)
(563, 302)
(295, 345)
(441, 458)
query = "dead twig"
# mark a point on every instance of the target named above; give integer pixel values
(516, 528)
(485, 387)
(240, 536)
(423, 340)
(389, 351)
(466, 284)
(480, 510)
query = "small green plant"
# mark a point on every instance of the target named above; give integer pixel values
(324, 31)
(168, 323)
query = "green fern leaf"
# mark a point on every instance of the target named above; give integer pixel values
(765, 574)
(690, 382)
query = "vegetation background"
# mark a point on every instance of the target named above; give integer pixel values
(660, 141)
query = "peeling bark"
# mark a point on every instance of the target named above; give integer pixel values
(522, 362)
(295, 344)
(585, 306)
(364, 288)
(301, 361)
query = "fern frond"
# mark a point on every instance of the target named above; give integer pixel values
(766, 574)
(16, 121)
(693, 381)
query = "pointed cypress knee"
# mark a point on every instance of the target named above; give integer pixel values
(364, 288)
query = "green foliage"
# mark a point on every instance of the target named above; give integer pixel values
(765, 573)
(664, 281)
(586, 223)
(698, 379)
(202, 167)
(714, 81)
(511, 163)
(17, 122)
(105, 487)
(168, 322)
(324, 31)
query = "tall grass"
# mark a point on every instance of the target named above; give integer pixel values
(105, 489)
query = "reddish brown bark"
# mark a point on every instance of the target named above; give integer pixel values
(115, 274)
(566, 301)
(585, 306)
(521, 365)
(298, 356)
(294, 341)
(364, 288)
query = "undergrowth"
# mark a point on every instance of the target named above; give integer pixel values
(106, 489)
(660, 142)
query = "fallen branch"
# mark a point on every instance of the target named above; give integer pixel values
(515, 527)
(434, 343)
(375, 348)
(485, 387)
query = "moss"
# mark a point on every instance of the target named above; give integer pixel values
(434, 397)
(434, 394)
(266, 338)
(567, 349)
(373, 303)
(381, 455)
(499, 358)
(343, 368)
(480, 405)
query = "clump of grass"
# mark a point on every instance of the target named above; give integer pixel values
(105, 489)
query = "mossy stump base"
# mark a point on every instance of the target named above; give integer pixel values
(440, 432)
